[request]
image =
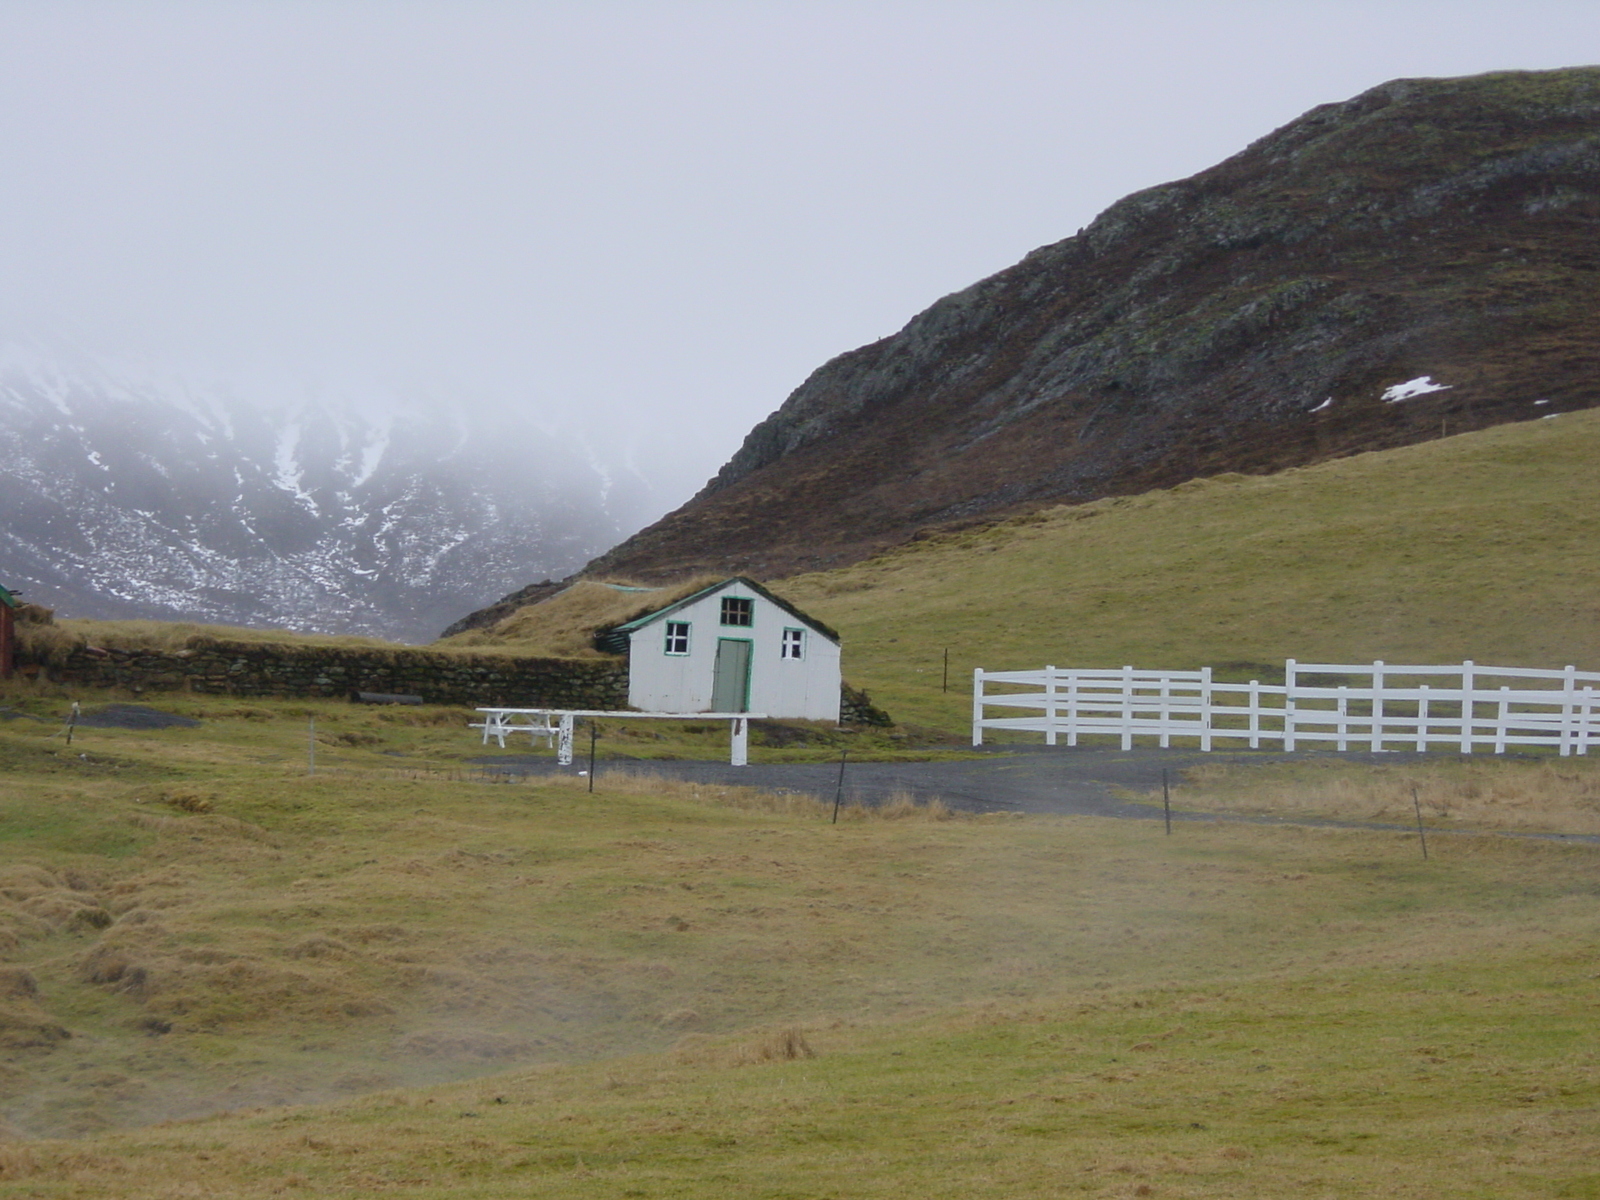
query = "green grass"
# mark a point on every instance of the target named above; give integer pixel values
(1483, 546)
(516, 989)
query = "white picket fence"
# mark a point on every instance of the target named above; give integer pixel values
(1466, 707)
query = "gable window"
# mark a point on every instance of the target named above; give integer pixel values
(677, 637)
(737, 610)
(794, 644)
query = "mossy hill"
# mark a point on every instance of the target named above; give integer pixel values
(1484, 546)
(1248, 319)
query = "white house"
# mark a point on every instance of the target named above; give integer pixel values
(731, 647)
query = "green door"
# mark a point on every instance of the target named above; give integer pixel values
(730, 682)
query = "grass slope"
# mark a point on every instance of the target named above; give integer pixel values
(1483, 546)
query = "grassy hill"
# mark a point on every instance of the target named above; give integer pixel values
(1483, 546)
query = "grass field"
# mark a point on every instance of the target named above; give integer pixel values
(1483, 546)
(532, 990)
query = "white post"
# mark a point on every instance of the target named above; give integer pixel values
(1344, 712)
(1422, 718)
(1205, 709)
(740, 752)
(1467, 712)
(977, 706)
(1586, 720)
(1377, 706)
(1569, 689)
(1288, 706)
(564, 741)
(1500, 724)
(1072, 708)
(1127, 708)
(1049, 706)
(1255, 714)
(1164, 711)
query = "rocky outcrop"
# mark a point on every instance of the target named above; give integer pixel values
(1251, 318)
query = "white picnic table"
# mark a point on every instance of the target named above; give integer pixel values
(501, 723)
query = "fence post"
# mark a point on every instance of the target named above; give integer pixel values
(1377, 705)
(1164, 711)
(977, 706)
(1586, 721)
(1569, 690)
(1468, 712)
(1501, 721)
(564, 741)
(1205, 709)
(1288, 706)
(1049, 706)
(1422, 718)
(739, 749)
(1072, 708)
(1255, 714)
(1127, 708)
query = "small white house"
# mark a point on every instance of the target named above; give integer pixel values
(731, 647)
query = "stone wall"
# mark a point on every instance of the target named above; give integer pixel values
(856, 708)
(257, 669)
(260, 669)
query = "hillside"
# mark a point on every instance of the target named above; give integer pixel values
(1251, 318)
(1483, 545)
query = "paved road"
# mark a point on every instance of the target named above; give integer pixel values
(1034, 779)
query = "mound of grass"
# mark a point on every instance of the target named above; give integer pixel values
(1483, 546)
(563, 626)
(180, 635)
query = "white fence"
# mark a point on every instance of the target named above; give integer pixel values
(1396, 707)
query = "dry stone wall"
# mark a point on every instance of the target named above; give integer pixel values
(254, 669)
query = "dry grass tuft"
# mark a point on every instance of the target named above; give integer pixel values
(188, 800)
(785, 1044)
(781, 1045)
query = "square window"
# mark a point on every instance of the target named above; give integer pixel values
(794, 644)
(737, 610)
(677, 637)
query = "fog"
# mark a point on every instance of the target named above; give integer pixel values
(648, 221)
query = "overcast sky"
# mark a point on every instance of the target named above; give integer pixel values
(654, 218)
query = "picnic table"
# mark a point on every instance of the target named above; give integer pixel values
(555, 724)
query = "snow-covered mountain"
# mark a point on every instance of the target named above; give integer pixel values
(123, 494)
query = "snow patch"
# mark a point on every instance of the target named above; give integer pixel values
(1328, 403)
(1420, 386)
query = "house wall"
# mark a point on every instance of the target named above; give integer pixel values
(660, 682)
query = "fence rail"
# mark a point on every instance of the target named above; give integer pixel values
(1468, 706)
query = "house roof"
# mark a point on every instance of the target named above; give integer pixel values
(619, 633)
